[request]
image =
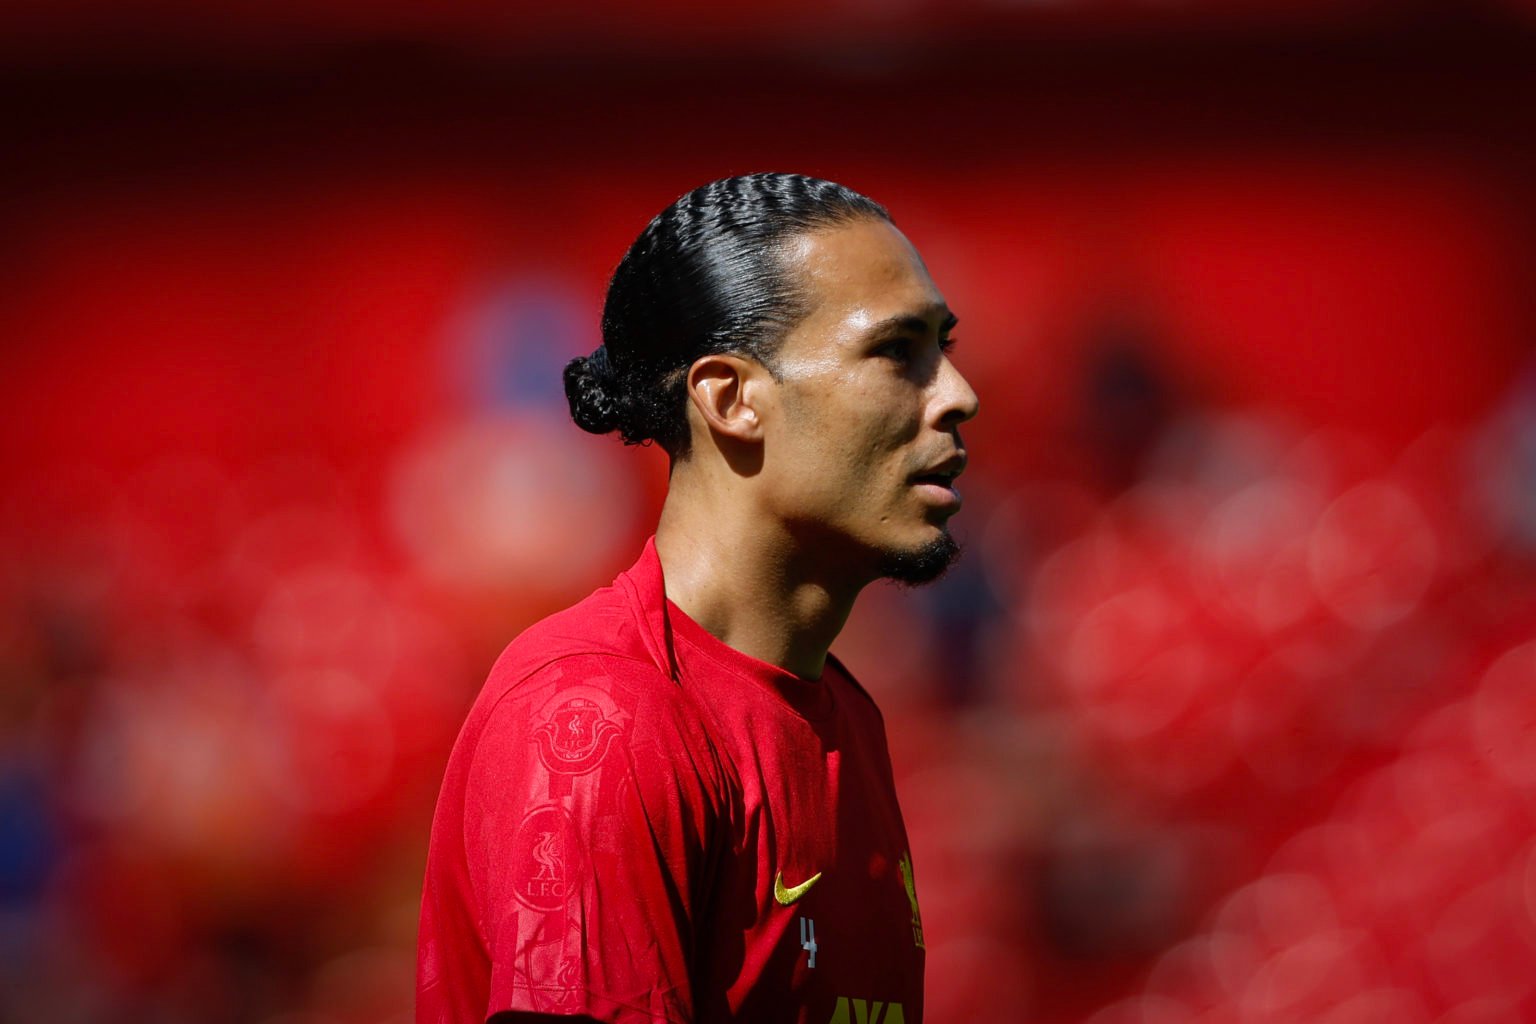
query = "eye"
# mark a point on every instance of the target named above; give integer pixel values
(898, 349)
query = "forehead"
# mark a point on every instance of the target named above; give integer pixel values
(856, 275)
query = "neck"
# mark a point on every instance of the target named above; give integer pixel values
(748, 582)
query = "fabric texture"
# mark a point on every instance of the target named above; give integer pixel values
(641, 824)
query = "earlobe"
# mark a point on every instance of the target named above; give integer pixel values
(722, 392)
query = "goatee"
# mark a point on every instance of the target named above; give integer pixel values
(920, 565)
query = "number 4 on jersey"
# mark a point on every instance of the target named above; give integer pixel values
(808, 939)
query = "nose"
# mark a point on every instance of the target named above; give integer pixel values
(955, 401)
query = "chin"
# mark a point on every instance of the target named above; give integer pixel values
(922, 564)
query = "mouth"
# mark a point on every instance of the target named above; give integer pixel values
(937, 483)
(942, 474)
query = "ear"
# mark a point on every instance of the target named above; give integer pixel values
(725, 391)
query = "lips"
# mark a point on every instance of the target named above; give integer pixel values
(936, 483)
(942, 474)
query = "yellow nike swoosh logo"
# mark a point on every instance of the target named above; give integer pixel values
(788, 895)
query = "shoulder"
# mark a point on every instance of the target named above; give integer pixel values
(578, 690)
(601, 626)
(588, 734)
(594, 645)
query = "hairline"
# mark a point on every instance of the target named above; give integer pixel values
(779, 251)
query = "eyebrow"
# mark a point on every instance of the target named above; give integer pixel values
(912, 322)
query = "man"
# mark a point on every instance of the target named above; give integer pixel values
(670, 803)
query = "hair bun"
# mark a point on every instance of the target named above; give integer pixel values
(589, 388)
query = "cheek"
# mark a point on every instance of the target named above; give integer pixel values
(843, 440)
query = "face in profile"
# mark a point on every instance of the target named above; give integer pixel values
(865, 447)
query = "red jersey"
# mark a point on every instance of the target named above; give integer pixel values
(640, 823)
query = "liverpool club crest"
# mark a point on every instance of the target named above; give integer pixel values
(545, 862)
(576, 737)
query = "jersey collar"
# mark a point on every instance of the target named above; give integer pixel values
(646, 590)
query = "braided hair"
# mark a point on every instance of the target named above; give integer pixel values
(706, 276)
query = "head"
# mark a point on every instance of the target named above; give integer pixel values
(778, 332)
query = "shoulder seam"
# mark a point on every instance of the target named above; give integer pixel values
(569, 655)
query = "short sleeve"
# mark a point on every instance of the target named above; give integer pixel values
(589, 810)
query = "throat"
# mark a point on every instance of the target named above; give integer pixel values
(753, 602)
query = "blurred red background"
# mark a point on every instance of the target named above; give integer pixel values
(1228, 713)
